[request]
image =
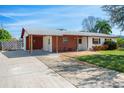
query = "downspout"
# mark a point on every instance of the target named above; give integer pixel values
(31, 44)
(87, 43)
(77, 42)
(56, 44)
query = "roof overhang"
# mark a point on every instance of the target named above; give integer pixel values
(63, 33)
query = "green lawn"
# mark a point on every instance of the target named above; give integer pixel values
(113, 59)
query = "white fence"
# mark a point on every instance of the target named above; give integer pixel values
(10, 45)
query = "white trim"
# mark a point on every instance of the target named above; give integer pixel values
(83, 45)
(47, 45)
(24, 41)
(50, 43)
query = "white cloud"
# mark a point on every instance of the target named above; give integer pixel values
(69, 17)
(60, 11)
(22, 23)
(15, 14)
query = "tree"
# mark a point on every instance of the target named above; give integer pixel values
(4, 35)
(102, 26)
(120, 42)
(116, 15)
(89, 23)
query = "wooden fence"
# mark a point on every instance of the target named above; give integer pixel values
(10, 45)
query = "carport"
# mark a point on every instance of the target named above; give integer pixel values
(39, 42)
(34, 42)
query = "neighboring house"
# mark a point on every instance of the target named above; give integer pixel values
(60, 41)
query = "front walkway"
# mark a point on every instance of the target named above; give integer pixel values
(28, 72)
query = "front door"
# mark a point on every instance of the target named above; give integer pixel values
(47, 43)
(82, 43)
(80, 46)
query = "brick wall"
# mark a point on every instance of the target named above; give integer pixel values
(71, 45)
(37, 42)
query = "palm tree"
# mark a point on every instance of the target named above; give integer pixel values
(102, 26)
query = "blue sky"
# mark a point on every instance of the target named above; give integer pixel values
(14, 18)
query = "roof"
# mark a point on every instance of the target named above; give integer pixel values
(61, 33)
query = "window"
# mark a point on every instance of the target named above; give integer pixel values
(96, 40)
(65, 40)
(49, 41)
(80, 41)
(108, 39)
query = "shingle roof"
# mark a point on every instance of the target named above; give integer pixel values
(61, 33)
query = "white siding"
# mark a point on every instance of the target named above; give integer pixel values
(50, 44)
(46, 45)
(102, 40)
(114, 39)
(24, 41)
(89, 43)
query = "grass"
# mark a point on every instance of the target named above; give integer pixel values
(113, 59)
(112, 52)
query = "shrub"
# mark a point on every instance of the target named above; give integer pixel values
(120, 42)
(100, 47)
(104, 47)
(111, 45)
(121, 49)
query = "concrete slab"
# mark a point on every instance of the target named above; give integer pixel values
(2, 57)
(29, 72)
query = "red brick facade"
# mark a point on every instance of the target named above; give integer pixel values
(70, 45)
(37, 42)
(27, 43)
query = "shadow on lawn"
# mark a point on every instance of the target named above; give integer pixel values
(72, 68)
(83, 75)
(87, 76)
(103, 80)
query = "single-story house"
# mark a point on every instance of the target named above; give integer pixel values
(60, 41)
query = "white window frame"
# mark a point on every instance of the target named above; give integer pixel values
(96, 40)
(65, 40)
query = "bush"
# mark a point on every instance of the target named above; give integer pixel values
(121, 49)
(97, 48)
(120, 42)
(102, 47)
(111, 45)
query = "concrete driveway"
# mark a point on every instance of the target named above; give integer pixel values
(28, 72)
(54, 70)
